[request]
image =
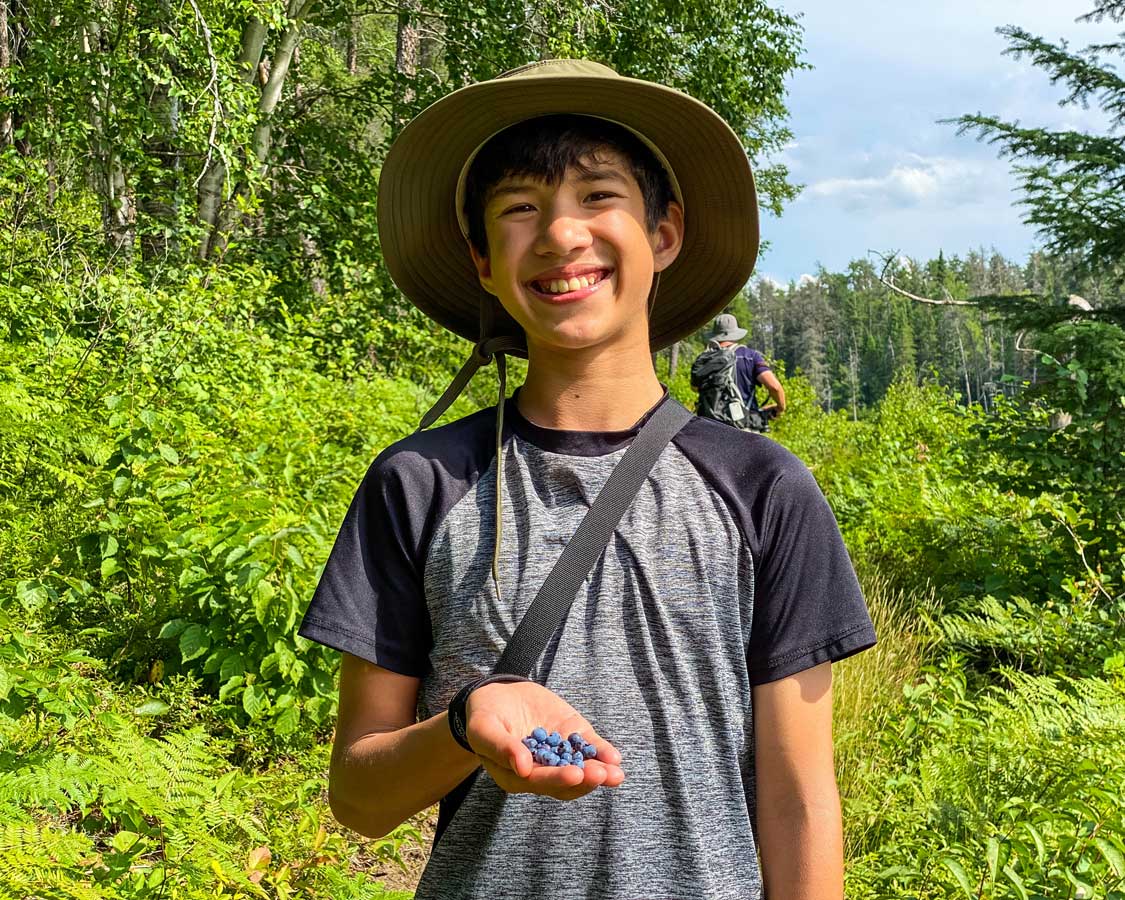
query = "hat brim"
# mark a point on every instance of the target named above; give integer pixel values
(736, 335)
(421, 239)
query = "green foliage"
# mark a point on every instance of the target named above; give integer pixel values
(198, 472)
(1013, 792)
(93, 805)
(1077, 633)
(1071, 180)
(1067, 439)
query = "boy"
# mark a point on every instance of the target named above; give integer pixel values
(697, 653)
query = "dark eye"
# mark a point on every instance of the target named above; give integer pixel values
(601, 195)
(519, 207)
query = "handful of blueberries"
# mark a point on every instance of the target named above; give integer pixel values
(553, 750)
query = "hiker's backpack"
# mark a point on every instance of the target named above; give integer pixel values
(713, 375)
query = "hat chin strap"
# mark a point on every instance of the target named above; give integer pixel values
(488, 347)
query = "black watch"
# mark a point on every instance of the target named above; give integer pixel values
(457, 718)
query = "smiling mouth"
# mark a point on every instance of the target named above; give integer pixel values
(558, 287)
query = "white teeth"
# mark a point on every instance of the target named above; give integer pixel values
(562, 285)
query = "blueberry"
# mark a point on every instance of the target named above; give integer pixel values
(580, 762)
(589, 751)
(562, 762)
(567, 758)
(564, 747)
(529, 743)
(576, 739)
(540, 734)
(554, 738)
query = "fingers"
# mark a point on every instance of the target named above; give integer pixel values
(560, 782)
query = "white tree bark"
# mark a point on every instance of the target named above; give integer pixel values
(118, 210)
(214, 176)
(6, 130)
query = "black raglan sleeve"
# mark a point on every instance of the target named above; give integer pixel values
(808, 607)
(370, 600)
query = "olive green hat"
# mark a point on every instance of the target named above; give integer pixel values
(421, 189)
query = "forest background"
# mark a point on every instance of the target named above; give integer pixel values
(201, 352)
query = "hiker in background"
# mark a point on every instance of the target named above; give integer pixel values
(727, 374)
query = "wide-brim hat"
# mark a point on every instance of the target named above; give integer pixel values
(422, 238)
(726, 328)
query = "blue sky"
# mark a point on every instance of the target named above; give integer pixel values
(880, 172)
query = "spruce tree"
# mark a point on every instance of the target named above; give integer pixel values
(1073, 182)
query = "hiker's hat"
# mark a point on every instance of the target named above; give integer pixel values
(421, 227)
(725, 328)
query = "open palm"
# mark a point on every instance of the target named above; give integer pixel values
(500, 715)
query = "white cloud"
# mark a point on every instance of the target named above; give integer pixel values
(933, 181)
(806, 278)
(771, 281)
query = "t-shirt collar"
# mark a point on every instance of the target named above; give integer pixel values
(575, 443)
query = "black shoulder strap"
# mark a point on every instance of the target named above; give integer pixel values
(584, 549)
(553, 602)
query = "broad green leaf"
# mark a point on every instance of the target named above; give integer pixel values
(173, 628)
(109, 546)
(169, 454)
(215, 660)
(1016, 881)
(958, 873)
(194, 642)
(110, 567)
(992, 855)
(152, 707)
(295, 556)
(124, 841)
(263, 596)
(288, 720)
(254, 700)
(1112, 855)
(232, 666)
(267, 668)
(1040, 845)
(234, 556)
(230, 687)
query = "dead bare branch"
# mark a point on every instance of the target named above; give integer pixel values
(889, 261)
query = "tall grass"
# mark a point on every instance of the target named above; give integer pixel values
(867, 689)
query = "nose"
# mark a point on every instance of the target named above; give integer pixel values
(562, 234)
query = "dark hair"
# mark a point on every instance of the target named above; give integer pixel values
(546, 148)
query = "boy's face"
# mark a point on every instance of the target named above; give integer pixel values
(572, 263)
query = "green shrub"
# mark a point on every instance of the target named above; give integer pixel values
(1015, 792)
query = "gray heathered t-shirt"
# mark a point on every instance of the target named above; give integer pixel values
(727, 571)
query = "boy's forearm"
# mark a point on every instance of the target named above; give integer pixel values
(801, 852)
(381, 780)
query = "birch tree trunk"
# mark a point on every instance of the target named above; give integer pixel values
(6, 130)
(262, 140)
(118, 211)
(156, 187)
(210, 199)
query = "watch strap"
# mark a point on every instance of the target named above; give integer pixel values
(458, 720)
